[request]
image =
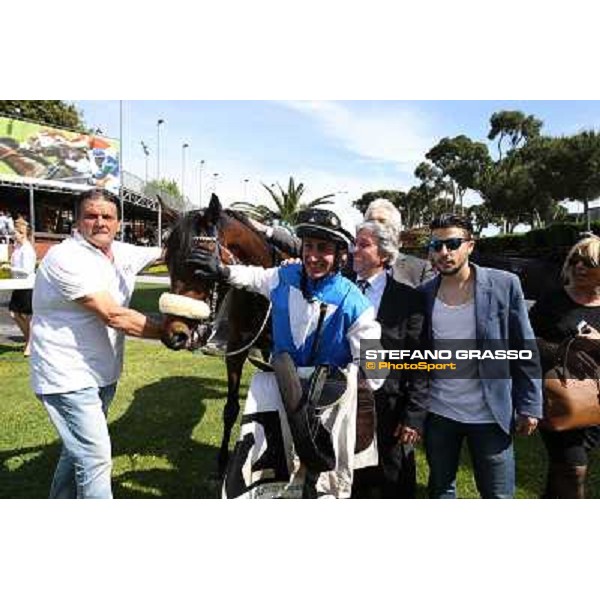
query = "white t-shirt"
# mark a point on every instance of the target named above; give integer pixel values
(22, 260)
(71, 348)
(4, 225)
(457, 399)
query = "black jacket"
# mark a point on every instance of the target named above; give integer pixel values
(401, 315)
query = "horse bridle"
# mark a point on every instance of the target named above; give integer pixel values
(219, 249)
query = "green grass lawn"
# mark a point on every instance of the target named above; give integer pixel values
(146, 295)
(160, 269)
(165, 427)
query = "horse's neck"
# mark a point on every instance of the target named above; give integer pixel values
(255, 252)
(260, 255)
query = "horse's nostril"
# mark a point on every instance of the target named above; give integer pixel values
(176, 341)
(179, 340)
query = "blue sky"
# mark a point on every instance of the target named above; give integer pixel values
(348, 147)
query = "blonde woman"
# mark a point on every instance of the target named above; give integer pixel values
(22, 264)
(571, 309)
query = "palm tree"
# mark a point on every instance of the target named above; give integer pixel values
(287, 202)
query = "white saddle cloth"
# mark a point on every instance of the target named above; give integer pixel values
(264, 463)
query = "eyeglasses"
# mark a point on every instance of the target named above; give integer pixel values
(324, 218)
(587, 261)
(450, 243)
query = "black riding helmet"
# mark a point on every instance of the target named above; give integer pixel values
(323, 224)
(326, 225)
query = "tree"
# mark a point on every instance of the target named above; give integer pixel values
(514, 186)
(512, 194)
(416, 202)
(287, 204)
(570, 168)
(482, 215)
(435, 185)
(396, 197)
(462, 161)
(514, 126)
(50, 112)
(168, 186)
(169, 192)
(424, 206)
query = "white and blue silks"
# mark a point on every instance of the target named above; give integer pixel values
(349, 317)
(264, 463)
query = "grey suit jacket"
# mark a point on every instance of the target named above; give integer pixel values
(501, 315)
(411, 270)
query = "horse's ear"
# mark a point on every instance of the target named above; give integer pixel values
(213, 212)
(167, 210)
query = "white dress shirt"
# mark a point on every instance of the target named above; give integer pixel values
(374, 290)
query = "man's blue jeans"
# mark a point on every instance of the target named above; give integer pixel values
(491, 451)
(84, 466)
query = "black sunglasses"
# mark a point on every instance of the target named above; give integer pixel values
(450, 243)
(587, 261)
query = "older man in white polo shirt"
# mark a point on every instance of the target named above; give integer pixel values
(80, 305)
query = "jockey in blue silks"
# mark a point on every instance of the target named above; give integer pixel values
(318, 316)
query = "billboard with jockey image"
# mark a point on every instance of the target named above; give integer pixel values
(35, 151)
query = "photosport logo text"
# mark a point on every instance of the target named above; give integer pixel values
(455, 359)
(435, 360)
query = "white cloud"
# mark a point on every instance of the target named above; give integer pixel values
(389, 132)
(230, 186)
(390, 136)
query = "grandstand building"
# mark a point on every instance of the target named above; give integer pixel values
(43, 169)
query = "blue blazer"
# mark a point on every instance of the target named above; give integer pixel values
(501, 318)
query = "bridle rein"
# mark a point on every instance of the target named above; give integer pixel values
(228, 258)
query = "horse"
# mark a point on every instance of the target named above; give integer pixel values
(231, 234)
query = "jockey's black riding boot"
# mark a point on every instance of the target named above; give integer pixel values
(288, 381)
(309, 489)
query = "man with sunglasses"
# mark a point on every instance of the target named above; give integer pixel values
(475, 307)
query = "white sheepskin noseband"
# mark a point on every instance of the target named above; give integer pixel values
(182, 306)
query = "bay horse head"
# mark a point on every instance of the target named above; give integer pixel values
(223, 231)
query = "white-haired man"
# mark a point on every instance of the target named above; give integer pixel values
(407, 269)
(401, 404)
